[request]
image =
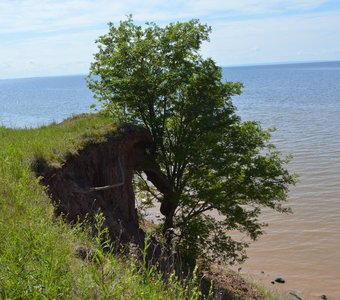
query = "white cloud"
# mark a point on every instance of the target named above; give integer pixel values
(280, 39)
(250, 6)
(57, 54)
(50, 15)
(58, 36)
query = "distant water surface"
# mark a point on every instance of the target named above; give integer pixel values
(302, 101)
(32, 102)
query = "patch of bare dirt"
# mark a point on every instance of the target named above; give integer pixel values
(99, 178)
(229, 285)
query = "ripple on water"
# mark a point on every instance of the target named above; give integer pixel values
(304, 246)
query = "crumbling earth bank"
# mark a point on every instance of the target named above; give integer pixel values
(99, 178)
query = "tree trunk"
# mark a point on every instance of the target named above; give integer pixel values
(170, 199)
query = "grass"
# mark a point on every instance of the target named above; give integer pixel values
(268, 294)
(37, 251)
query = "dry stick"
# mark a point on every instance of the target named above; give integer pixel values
(105, 187)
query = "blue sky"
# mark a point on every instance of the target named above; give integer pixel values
(45, 37)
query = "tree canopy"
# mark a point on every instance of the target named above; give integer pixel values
(210, 160)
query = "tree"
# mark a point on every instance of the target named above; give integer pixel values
(208, 159)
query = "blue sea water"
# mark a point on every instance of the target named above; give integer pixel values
(302, 101)
(294, 89)
(32, 102)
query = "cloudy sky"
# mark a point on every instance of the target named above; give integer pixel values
(45, 37)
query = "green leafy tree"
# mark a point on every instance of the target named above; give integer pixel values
(204, 158)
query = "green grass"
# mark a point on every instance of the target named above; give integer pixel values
(37, 251)
(268, 294)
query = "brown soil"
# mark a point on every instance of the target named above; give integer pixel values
(99, 178)
(230, 285)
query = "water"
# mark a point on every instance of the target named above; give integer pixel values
(32, 102)
(303, 102)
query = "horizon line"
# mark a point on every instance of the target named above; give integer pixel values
(278, 63)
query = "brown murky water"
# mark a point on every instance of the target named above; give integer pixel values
(303, 103)
(304, 248)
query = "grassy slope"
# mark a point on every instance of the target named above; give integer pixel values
(37, 259)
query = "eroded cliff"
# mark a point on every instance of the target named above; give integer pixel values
(99, 178)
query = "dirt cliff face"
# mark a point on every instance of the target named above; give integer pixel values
(99, 178)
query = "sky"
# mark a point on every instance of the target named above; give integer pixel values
(52, 38)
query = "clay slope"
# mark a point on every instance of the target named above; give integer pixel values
(99, 178)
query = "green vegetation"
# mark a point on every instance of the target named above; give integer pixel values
(37, 251)
(209, 158)
(270, 294)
